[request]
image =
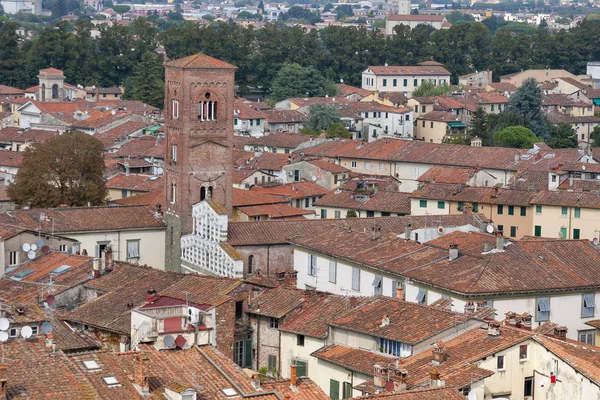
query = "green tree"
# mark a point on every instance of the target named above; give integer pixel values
(121, 9)
(293, 80)
(147, 82)
(351, 214)
(307, 130)
(543, 24)
(515, 136)
(12, 58)
(427, 88)
(456, 16)
(343, 11)
(595, 137)
(527, 101)
(478, 126)
(66, 169)
(322, 116)
(328, 7)
(338, 130)
(562, 136)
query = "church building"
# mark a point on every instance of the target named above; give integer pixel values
(404, 17)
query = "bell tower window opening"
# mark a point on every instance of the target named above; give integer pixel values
(175, 109)
(173, 192)
(202, 193)
(209, 194)
(207, 109)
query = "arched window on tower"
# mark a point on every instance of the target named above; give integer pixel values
(43, 92)
(55, 91)
(207, 109)
(250, 264)
(173, 192)
(202, 193)
(209, 194)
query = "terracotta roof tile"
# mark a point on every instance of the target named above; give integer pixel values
(277, 302)
(442, 116)
(288, 140)
(143, 146)
(411, 70)
(199, 61)
(110, 137)
(462, 193)
(243, 198)
(346, 90)
(444, 393)
(150, 199)
(266, 161)
(328, 166)
(84, 219)
(503, 87)
(305, 389)
(294, 190)
(136, 182)
(353, 359)
(564, 198)
(441, 174)
(560, 99)
(274, 211)
(332, 149)
(382, 200)
(201, 289)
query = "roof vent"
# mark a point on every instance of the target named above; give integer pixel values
(493, 329)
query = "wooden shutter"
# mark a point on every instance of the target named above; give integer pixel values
(301, 369)
(248, 353)
(334, 389)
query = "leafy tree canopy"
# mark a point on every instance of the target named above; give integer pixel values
(562, 136)
(338, 130)
(427, 88)
(293, 80)
(66, 169)
(516, 136)
(527, 101)
(322, 116)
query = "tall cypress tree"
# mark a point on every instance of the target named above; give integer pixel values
(147, 83)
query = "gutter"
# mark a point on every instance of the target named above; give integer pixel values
(244, 395)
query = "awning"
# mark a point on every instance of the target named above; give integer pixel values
(596, 102)
(456, 124)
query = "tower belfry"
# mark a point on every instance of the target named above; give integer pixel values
(199, 97)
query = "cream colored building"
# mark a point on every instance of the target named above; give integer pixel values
(540, 75)
(403, 79)
(434, 126)
(555, 219)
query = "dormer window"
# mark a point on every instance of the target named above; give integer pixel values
(207, 109)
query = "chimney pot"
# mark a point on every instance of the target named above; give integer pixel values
(291, 279)
(438, 353)
(560, 332)
(408, 232)
(140, 374)
(453, 252)
(493, 329)
(487, 246)
(293, 375)
(500, 242)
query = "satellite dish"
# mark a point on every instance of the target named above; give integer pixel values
(180, 341)
(440, 229)
(4, 323)
(40, 243)
(113, 112)
(26, 332)
(45, 249)
(314, 178)
(472, 395)
(595, 241)
(47, 327)
(3, 336)
(31, 254)
(169, 341)
(34, 247)
(489, 228)
(26, 247)
(341, 80)
(50, 299)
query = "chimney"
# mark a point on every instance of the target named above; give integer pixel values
(495, 192)
(434, 377)
(103, 261)
(151, 295)
(526, 321)
(126, 169)
(571, 181)
(291, 279)
(140, 374)
(385, 320)
(469, 307)
(408, 232)
(453, 252)
(493, 329)
(510, 318)
(499, 242)
(49, 339)
(439, 353)
(353, 302)
(293, 375)
(3, 381)
(376, 232)
(487, 247)
(96, 267)
(560, 332)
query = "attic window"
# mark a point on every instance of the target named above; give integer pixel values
(229, 392)
(91, 365)
(22, 274)
(60, 270)
(111, 381)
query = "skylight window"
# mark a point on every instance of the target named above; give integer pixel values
(230, 392)
(60, 270)
(91, 365)
(22, 274)
(111, 381)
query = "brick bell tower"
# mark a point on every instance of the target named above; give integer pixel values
(199, 97)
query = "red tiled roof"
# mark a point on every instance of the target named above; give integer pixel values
(305, 389)
(109, 137)
(293, 190)
(243, 198)
(353, 359)
(289, 140)
(284, 116)
(567, 199)
(575, 83)
(263, 161)
(8, 135)
(410, 323)
(382, 200)
(245, 111)
(150, 199)
(135, 182)
(442, 393)
(332, 149)
(559, 99)
(556, 117)
(328, 166)
(142, 146)
(274, 211)
(503, 87)
(277, 302)
(411, 70)
(8, 90)
(51, 71)
(85, 219)
(346, 90)
(441, 174)
(199, 61)
(472, 194)
(278, 232)
(308, 101)
(441, 116)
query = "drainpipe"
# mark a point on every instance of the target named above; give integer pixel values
(570, 216)
(258, 342)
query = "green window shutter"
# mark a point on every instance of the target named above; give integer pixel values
(423, 203)
(441, 205)
(538, 209)
(563, 233)
(513, 231)
(564, 211)
(511, 210)
(538, 230)
(248, 353)
(323, 213)
(272, 363)
(523, 211)
(475, 207)
(334, 389)
(577, 212)
(500, 209)
(347, 390)
(301, 368)
(575, 233)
